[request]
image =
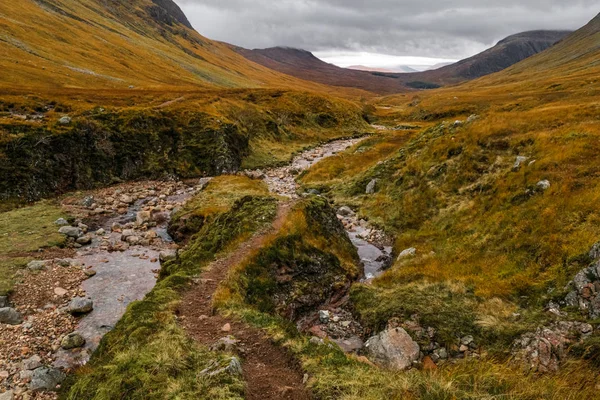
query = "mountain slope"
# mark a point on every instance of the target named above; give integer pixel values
(117, 44)
(305, 65)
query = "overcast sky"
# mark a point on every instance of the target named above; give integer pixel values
(338, 30)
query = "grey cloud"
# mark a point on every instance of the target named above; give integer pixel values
(427, 28)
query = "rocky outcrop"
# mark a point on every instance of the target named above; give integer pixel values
(584, 289)
(393, 348)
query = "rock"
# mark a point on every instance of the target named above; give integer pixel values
(46, 378)
(324, 316)
(100, 232)
(80, 305)
(428, 364)
(442, 353)
(133, 240)
(89, 273)
(70, 231)
(463, 348)
(143, 217)
(60, 292)
(203, 182)
(66, 120)
(3, 301)
(10, 316)
(72, 341)
(345, 211)
(61, 222)
(32, 363)
(167, 255)
(393, 348)
(457, 123)
(316, 341)
(371, 187)
(472, 118)
(543, 185)
(467, 340)
(520, 160)
(126, 199)
(226, 328)
(314, 192)
(407, 253)
(227, 344)
(36, 265)
(151, 235)
(126, 234)
(84, 240)
(350, 345)
(235, 367)
(9, 395)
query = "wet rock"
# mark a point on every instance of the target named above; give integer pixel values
(84, 240)
(10, 316)
(61, 222)
(407, 253)
(371, 187)
(72, 341)
(393, 348)
(345, 211)
(36, 265)
(66, 120)
(70, 231)
(80, 305)
(46, 378)
(543, 185)
(3, 301)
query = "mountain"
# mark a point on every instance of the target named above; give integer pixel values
(305, 65)
(399, 68)
(117, 44)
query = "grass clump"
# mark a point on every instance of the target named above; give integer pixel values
(23, 231)
(147, 355)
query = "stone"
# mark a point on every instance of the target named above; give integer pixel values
(472, 118)
(10, 316)
(100, 232)
(407, 253)
(89, 273)
(393, 348)
(36, 265)
(70, 231)
(66, 120)
(133, 240)
(443, 353)
(227, 344)
(126, 199)
(167, 255)
(463, 348)
(60, 292)
(126, 234)
(519, 161)
(80, 305)
(3, 301)
(143, 217)
(429, 364)
(350, 345)
(345, 211)
(235, 367)
(9, 395)
(151, 235)
(32, 363)
(72, 341)
(61, 222)
(324, 316)
(371, 187)
(226, 328)
(46, 378)
(467, 340)
(84, 240)
(543, 185)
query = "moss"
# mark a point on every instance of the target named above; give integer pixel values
(147, 355)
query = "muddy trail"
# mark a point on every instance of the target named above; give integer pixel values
(269, 372)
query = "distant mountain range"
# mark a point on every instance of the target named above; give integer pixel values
(303, 64)
(399, 68)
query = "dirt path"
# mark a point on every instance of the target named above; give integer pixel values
(269, 371)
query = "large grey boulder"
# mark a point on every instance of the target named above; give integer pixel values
(46, 378)
(70, 231)
(80, 305)
(393, 348)
(10, 316)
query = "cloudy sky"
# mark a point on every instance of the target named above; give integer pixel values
(380, 33)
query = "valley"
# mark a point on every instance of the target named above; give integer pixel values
(181, 218)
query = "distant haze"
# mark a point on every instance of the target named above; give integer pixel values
(374, 33)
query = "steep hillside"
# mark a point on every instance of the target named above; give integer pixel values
(116, 44)
(305, 65)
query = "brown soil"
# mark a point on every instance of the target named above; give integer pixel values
(269, 371)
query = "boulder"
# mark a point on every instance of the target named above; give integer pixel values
(127, 233)
(167, 255)
(345, 211)
(32, 363)
(84, 240)
(80, 305)
(407, 253)
(66, 120)
(61, 222)
(143, 217)
(324, 316)
(371, 187)
(10, 316)
(72, 341)
(393, 348)
(36, 265)
(70, 231)
(543, 185)
(595, 251)
(46, 378)
(133, 240)
(100, 232)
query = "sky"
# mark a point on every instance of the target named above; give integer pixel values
(382, 33)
